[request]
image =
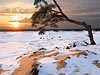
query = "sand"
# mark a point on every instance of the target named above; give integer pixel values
(1, 71)
(28, 62)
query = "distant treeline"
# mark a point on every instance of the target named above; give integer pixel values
(47, 30)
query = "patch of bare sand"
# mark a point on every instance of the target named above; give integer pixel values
(97, 63)
(1, 71)
(61, 59)
(29, 64)
(64, 57)
(74, 50)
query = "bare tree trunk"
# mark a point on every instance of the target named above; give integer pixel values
(88, 27)
(90, 35)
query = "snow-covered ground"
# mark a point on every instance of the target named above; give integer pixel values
(16, 44)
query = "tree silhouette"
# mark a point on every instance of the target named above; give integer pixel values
(49, 14)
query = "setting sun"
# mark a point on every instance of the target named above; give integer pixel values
(15, 24)
(16, 18)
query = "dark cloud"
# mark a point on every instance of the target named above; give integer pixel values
(82, 10)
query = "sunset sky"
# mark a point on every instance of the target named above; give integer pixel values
(16, 13)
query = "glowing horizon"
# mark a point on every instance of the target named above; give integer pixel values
(15, 14)
(15, 24)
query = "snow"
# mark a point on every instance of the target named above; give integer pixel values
(47, 60)
(74, 66)
(16, 44)
(50, 53)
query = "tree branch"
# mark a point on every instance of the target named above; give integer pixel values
(88, 27)
(49, 17)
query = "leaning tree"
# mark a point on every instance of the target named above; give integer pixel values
(49, 14)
